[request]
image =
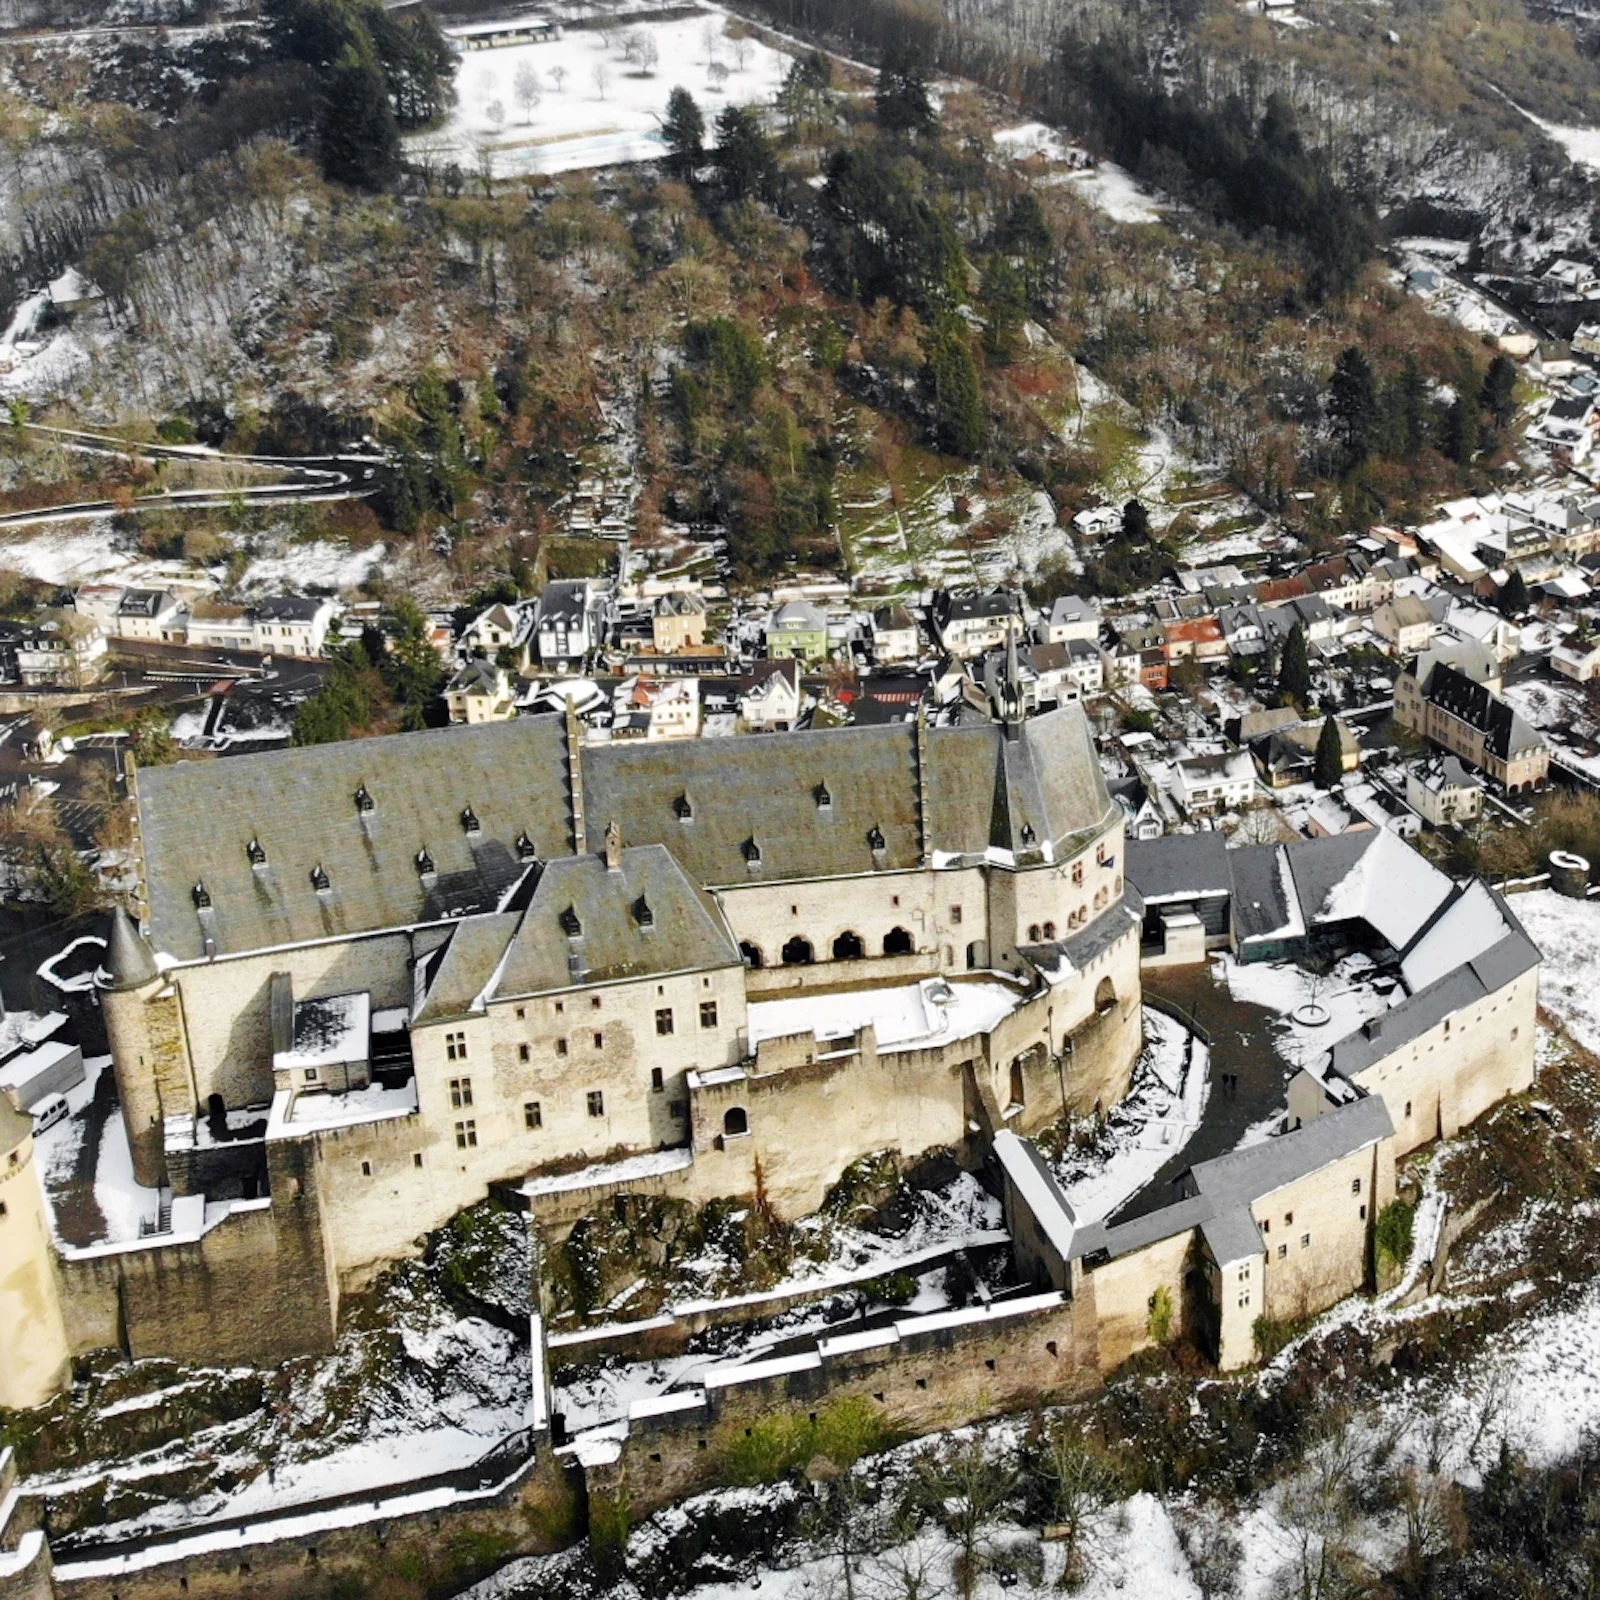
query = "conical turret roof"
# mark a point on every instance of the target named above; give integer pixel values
(130, 962)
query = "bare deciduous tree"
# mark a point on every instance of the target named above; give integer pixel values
(527, 89)
(558, 76)
(966, 1489)
(1081, 1485)
(741, 52)
(602, 77)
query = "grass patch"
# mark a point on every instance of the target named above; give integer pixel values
(772, 1447)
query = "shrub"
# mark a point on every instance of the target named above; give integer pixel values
(1273, 1333)
(784, 1442)
(1394, 1232)
(1159, 1323)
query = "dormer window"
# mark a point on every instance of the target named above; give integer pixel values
(469, 820)
(824, 799)
(320, 881)
(752, 852)
(363, 800)
(526, 849)
(683, 808)
(570, 925)
(875, 839)
(642, 914)
(256, 852)
(202, 896)
(424, 862)
(1028, 835)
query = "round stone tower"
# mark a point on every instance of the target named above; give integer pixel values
(37, 1358)
(128, 982)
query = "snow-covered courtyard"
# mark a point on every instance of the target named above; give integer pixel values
(593, 106)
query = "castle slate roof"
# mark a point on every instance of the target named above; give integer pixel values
(337, 830)
(1180, 865)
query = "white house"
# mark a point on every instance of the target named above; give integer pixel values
(1071, 618)
(151, 614)
(1577, 658)
(566, 621)
(1204, 785)
(1404, 625)
(769, 696)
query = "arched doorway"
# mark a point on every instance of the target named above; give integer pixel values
(735, 1121)
(751, 953)
(848, 947)
(797, 952)
(1105, 995)
(897, 942)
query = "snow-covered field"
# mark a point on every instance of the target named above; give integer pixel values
(1568, 932)
(595, 108)
(1104, 184)
(1284, 988)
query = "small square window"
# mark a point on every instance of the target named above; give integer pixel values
(533, 1115)
(311, 1074)
(657, 1081)
(466, 1135)
(664, 1021)
(678, 1109)
(708, 1013)
(597, 1103)
(561, 1047)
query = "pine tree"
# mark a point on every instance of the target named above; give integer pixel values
(1329, 766)
(359, 139)
(1499, 386)
(747, 165)
(1514, 595)
(1294, 671)
(685, 132)
(1353, 403)
(1461, 431)
(903, 105)
(1135, 523)
(951, 379)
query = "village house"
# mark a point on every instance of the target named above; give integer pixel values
(1404, 625)
(568, 622)
(151, 614)
(58, 649)
(896, 637)
(1442, 792)
(798, 631)
(971, 624)
(678, 622)
(1466, 719)
(480, 692)
(1070, 618)
(1577, 657)
(769, 696)
(1207, 785)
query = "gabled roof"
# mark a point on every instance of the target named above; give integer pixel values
(1505, 732)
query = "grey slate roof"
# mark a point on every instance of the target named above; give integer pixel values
(1180, 865)
(198, 818)
(1243, 1176)
(1319, 864)
(1260, 906)
(1503, 729)
(984, 789)
(130, 963)
(456, 978)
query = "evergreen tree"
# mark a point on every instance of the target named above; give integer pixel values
(747, 165)
(1135, 523)
(1294, 670)
(685, 133)
(1461, 431)
(1409, 418)
(1353, 403)
(1514, 594)
(1499, 385)
(1329, 766)
(903, 105)
(360, 143)
(950, 377)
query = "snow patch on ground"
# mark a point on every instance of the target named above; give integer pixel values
(316, 565)
(1284, 988)
(1568, 933)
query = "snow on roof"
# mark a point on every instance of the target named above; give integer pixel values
(1037, 1189)
(991, 1311)
(329, 1030)
(1391, 888)
(755, 1371)
(652, 1164)
(300, 1113)
(1468, 927)
(906, 1017)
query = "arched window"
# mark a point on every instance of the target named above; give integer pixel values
(1100, 898)
(735, 1121)
(1049, 930)
(1033, 933)
(1105, 995)
(897, 942)
(974, 956)
(848, 947)
(751, 953)
(797, 953)
(1019, 1096)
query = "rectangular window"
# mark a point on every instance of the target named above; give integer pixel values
(1077, 874)
(460, 1093)
(657, 1082)
(366, 1169)
(1283, 1250)
(594, 1002)
(561, 1008)
(532, 1115)
(311, 1074)
(664, 1021)
(455, 1047)
(708, 1013)
(597, 1103)
(466, 1135)
(1355, 1186)
(599, 1041)
(416, 1158)
(1305, 1241)
(561, 1047)
(1288, 1219)
(523, 1052)
(955, 916)
(678, 1109)
(522, 1013)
